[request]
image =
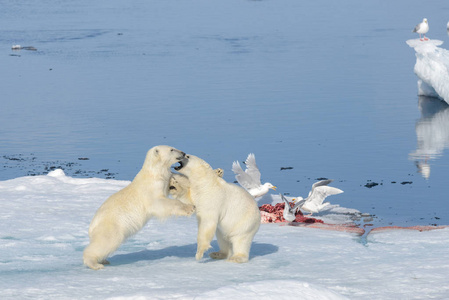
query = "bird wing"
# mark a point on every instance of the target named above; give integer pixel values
(243, 178)
(418, 27)
(252, 170)
(320, 193)
(321, 183)
(287, 204)
(298, 204)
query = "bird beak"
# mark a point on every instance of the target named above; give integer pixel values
(274, 188)
(294, 200)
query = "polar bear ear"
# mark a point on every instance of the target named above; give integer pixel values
(156, 155)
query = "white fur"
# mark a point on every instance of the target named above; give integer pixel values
(127, 211)
(180, 187)
(224, 209)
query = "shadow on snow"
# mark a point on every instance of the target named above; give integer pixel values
(186, 251)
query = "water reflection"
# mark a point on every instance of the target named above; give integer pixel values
(432, 133)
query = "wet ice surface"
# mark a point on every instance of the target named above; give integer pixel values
(43, 231)
(322, 89)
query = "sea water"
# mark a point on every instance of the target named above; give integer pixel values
(316, 89)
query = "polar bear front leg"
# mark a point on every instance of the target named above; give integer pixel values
(206, 232)
(171, 207)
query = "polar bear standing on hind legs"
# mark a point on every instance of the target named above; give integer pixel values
(127, 211)
(222, 208)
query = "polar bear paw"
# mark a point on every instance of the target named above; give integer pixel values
(218, 255)
(201, 249)
(238, 258)
(94, 265)
(189, 209)
(199, 255)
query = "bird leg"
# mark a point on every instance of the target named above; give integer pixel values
(426, 39)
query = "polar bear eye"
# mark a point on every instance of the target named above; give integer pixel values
(171, 150)
(187, 156)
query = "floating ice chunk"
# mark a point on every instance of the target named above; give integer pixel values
(432, 68)
(426, 90)
(429, 45)
(18, 47)
(57, 173)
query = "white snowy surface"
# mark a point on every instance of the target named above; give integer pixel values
(43, 231)
(432, 68)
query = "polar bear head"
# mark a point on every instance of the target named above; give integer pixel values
(163, 156)
(193, 166)
(179, 187)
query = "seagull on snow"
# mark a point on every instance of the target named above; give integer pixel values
(250, 178)
(314, 202)
(289, 213)
(422, 28)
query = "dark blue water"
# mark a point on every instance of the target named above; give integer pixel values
(325, 87)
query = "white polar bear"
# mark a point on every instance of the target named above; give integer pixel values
(127, 211)
(222, 208)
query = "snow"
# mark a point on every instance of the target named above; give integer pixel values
(432, 68)
(43, 231)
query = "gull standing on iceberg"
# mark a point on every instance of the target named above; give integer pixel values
(289, 213)
(250, 178)
(314, 202)
(422, 28)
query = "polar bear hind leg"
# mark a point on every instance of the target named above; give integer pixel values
(101, 245)
(225, 247)
(240, 248)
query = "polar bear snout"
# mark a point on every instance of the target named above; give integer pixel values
(181, 154)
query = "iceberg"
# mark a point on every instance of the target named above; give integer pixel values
(432, 68)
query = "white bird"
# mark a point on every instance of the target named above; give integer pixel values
(314, 202)
(289, 213)
(250, 178)
(422, 28)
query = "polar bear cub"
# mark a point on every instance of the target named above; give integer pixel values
(222, 208)
(127, 211)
